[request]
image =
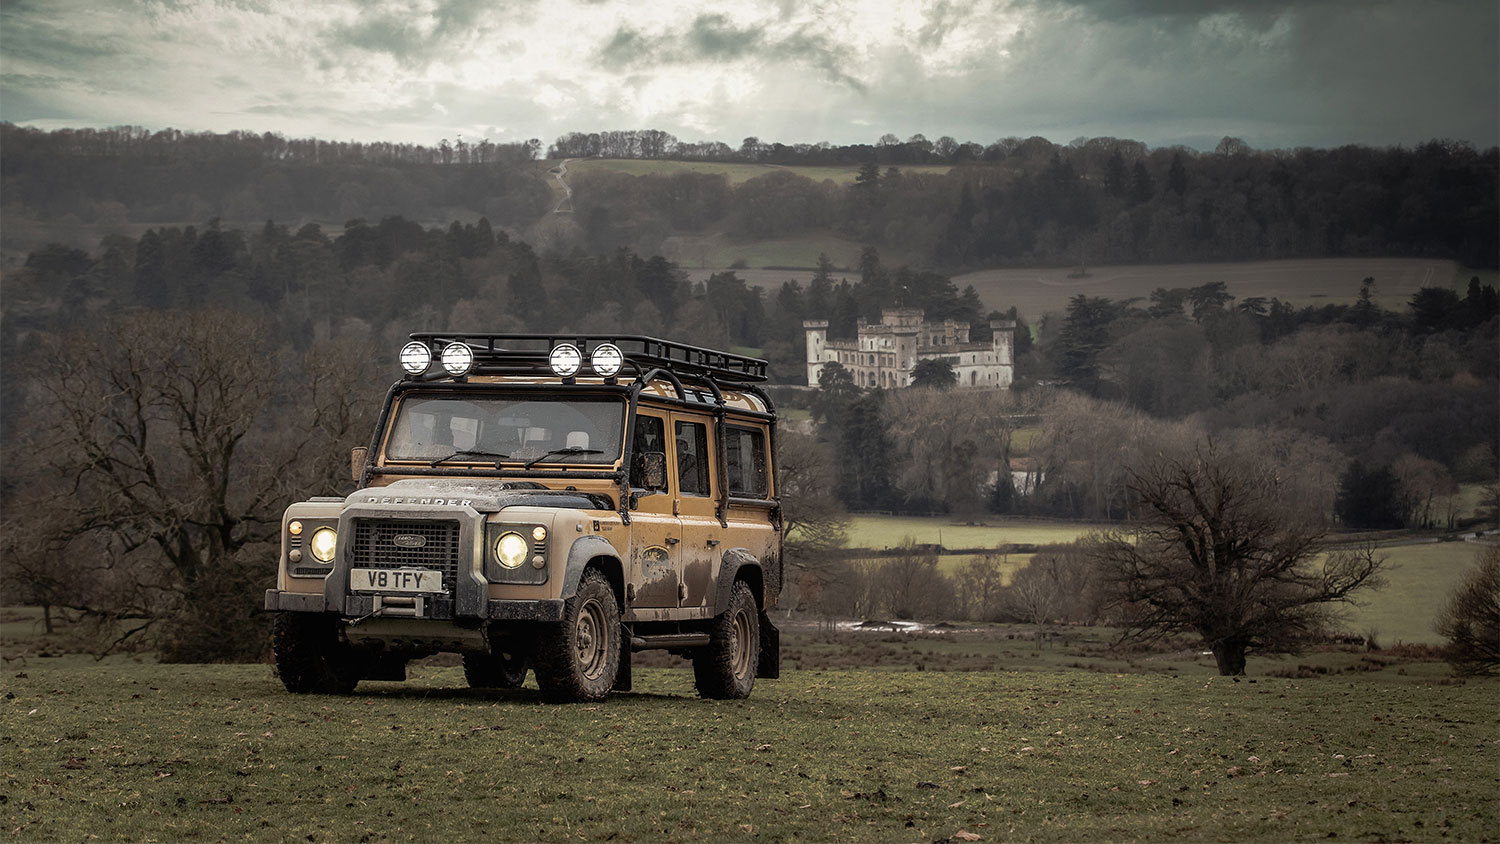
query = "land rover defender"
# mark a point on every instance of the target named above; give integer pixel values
(548, 504)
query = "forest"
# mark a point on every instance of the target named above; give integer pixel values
(956, 206)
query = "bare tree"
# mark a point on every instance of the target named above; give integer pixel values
(816, 524)
(949, 446)
(1470, 621)
(161, 450)
(979, 584)
(1217, 552)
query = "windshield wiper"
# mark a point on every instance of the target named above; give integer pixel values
(470, 453)
(572, 449)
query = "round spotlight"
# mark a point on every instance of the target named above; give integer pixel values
(511, 549)
(294, 528)
(565, 360)
(324, 542)
(539, 533)
(607, 360)
(458, 358)
(415, 358)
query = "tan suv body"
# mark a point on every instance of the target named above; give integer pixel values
(550, 504)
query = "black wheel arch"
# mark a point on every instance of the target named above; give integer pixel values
(594, 552)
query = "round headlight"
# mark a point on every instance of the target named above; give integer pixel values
(511, 549)
(457, 359)
(415, 358)
(565, 360)
(607, 360)
(325, 541)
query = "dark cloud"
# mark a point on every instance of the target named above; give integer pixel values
(415, 40)
(714, 38)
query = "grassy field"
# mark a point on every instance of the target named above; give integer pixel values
(1419, 576)
(736, 173)
(889, 531)
(1035, 292)
(148, 752)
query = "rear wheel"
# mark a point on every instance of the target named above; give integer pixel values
(725, 669)
(578, 659)
(310, 659)
(498, 670)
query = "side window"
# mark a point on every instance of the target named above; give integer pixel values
(745, 451)
(650, 435)
(692, 458)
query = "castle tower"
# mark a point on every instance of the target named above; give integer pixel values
(1003, 340)
(817, 344)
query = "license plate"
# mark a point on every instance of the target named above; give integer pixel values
(395, 580)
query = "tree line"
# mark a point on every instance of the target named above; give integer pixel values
(1013, 202)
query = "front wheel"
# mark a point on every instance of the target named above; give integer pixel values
(310, 659)
(578, 659)
(725, 669)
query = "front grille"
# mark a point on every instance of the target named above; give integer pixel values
(375, 546)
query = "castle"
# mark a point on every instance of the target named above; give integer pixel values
(885, 354)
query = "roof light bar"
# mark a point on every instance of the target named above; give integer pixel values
(565, 360)
(415, 358)
(607, 360)
(458, 359)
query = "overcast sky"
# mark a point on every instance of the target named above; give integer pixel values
(845, 71)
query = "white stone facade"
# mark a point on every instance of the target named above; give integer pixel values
(884, 355)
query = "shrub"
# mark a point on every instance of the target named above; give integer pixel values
(1471, 619)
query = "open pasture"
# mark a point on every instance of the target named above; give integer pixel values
(1035, 292)
(1306, 282)
(1419, 576)
(736, 173)
(156, 752)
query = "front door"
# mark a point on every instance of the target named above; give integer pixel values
(656, 546)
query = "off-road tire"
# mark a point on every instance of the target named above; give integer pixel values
(309, 657)
(499, 670)
(725, 669)
(578, 659)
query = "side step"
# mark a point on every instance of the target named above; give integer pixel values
(668, 641)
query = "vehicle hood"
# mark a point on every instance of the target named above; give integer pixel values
(484, 496)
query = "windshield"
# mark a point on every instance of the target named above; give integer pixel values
(490, 428)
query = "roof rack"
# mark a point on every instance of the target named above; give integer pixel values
(526, 354)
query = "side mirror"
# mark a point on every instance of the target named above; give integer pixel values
(357, 462)
(654, 470)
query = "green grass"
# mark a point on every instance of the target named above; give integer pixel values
(735, 172)
(1418, 581)
(716, 250)
(198, 752)
(889, 531)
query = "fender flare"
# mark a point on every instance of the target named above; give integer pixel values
(584, 550)
(735, 561)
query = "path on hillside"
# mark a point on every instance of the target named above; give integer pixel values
(559, 173)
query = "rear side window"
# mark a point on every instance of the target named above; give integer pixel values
(692, 458)
(745, 451)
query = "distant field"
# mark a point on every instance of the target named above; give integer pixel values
(888, 531)
(705, 254)
(1419, 576)
(1308, 282)
(1035, 292)
(736, 173)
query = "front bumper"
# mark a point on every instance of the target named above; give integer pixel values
(358, 606)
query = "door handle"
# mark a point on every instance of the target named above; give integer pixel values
(672, 540)
(713, 543)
